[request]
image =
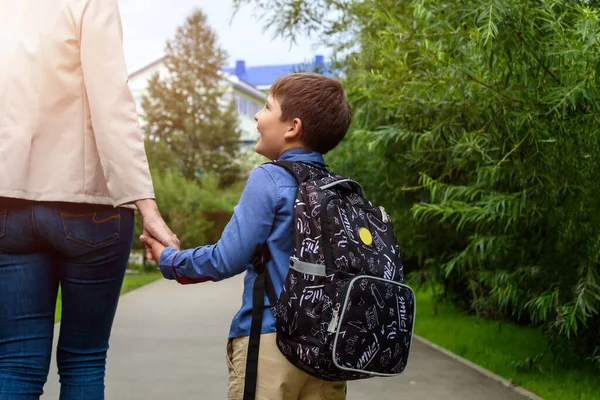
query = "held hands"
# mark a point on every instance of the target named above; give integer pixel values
(153, 247)
(156, 235)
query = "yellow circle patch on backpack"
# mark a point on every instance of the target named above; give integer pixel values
(365, 236)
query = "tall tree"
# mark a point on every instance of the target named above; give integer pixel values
(190, 127)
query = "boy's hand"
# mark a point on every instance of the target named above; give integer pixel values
(155, 226)
(155, 247)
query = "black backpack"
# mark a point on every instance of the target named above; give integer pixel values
(344, 312)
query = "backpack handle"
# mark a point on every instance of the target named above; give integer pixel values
(341, 181)
(302, 174)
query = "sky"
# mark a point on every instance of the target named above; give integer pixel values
(148, 24)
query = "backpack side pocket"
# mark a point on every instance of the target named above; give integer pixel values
(377, 321)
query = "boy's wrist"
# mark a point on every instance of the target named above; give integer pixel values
(166, 263)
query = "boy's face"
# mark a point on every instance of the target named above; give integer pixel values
(271, 130)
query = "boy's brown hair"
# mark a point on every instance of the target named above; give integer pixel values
(320, 103)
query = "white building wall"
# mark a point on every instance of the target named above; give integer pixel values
(247, 98)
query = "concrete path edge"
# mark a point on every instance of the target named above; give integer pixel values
(480, 369)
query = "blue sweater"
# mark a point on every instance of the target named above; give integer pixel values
(263, 215)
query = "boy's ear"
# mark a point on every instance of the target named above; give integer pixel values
(295, 130)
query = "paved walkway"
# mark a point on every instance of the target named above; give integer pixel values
(168, 342)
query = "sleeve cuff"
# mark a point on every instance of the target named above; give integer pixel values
(167, 263)
(132, 199)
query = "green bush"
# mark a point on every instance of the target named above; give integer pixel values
(136, 268)
(477, 124)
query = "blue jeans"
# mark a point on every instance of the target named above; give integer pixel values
(83, 247)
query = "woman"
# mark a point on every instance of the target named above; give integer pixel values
(72, 167)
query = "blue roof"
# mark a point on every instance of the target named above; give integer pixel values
(268, 74)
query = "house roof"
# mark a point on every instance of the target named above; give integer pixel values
(265, 75)
(258, 76)
(147, 67)
(244, 87)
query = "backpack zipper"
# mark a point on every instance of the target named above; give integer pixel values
(384, 215)
(334, 319)
(327, 253)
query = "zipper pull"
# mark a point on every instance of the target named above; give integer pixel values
(334, 319)
(385, 218)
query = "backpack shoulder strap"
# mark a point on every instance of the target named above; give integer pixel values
(262, 285)
(301, 171)
(304, 171)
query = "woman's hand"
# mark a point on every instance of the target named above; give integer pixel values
(154, 247)
(155, 227)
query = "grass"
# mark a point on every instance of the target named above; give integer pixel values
(131, 282)
(511, 351)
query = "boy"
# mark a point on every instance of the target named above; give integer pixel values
(305, 116)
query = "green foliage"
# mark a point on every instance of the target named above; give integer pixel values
(142, 268)
(189, 127)
(477, 125)
(294, 18)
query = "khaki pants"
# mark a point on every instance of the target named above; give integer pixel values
(277, 378)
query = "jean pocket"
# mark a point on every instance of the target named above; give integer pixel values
(3, 214)
(93, 229)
